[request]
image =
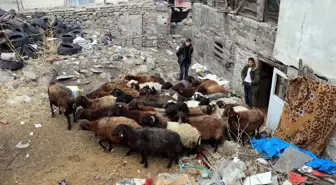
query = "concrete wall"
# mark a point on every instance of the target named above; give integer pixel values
(131, 24)
(240, 37)
(305, 32)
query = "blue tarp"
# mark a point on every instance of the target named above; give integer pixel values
(275, 147)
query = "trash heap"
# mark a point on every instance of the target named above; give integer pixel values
(24, 37)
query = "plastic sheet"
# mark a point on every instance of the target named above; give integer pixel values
(275, 147)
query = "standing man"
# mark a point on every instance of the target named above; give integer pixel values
(250, 77)
(184, 54)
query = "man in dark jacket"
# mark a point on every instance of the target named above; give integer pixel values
(184, 54)
(250, 77)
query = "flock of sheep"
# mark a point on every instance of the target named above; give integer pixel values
(155, 117)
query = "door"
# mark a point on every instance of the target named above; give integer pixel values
(277, 99)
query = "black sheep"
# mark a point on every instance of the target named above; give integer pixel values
(121, 96)
(151, 141)
(203, 100)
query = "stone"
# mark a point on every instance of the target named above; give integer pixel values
(291, 159)
(142, 69)
(150, 62)
(139, 61)
(5, 78)
(64, 77)
(129, 64)
(29, 74)
(96, 71)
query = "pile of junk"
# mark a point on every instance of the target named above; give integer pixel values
(23, 37)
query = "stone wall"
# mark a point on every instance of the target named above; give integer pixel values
(224, 42)
(131, 24)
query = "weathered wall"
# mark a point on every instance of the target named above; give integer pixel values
(302, 34)
(132, 24)
(240, 37)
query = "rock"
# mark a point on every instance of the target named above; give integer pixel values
(64, 77)
(142, 69)
(83, 71)
(139, 61)
(29, 74)
(96, 71)
(118, 64)
(129, 64)
(5, 77)
(150, 63)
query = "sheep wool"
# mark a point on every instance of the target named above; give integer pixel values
(240, 108)
(129, 83)
(190, 136)
(156, 85)
(192, 103)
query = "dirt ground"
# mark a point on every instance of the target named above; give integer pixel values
(55, 153)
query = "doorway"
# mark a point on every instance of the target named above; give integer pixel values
(263, 96)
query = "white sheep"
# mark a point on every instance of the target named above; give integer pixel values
(190, 136)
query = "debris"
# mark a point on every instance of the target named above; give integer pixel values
(27, 155)
(262, 178)
(22, 123)
(134, 181)
(199, 67)
(174, 179)
(96, 177)
(274, 147)
(262, 161)
(295, 178)
(148, 181)
(96, 71)
(306, 169)
(29, 74)
(64, 77)
(75, 90)
(38, 125)
(184, 179)
(4, 122)
(320, 174)
(169, 52)
(291, 159)
(31, 133)
(21, 145)
(62, 182)
(287, 183)
(150, 63)
(153, 49)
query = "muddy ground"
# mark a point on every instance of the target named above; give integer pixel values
(55, 153)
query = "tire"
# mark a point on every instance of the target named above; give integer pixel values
(74, 27)
(38, 15)
(67, 37)
(30, 51)
(59, 28)
(17, 39)
(41, 22)
(68, 48)
(77, 31)
(11, 65)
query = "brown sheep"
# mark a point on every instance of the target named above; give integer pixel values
(105, 89)
(122, 110)
(157, 101)
(212, 89)
(185, 92)
(145, 78)
(104, 128)
(87, 103)
(245, 122)
(92, 114)
(63, 98)
(138, 105)
(155, 120)
(210, 128)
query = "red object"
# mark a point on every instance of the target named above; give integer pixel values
(296, 179)
(320, 174)
(4, 122)
(148, 181)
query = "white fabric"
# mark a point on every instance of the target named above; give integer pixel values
(248, 76)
